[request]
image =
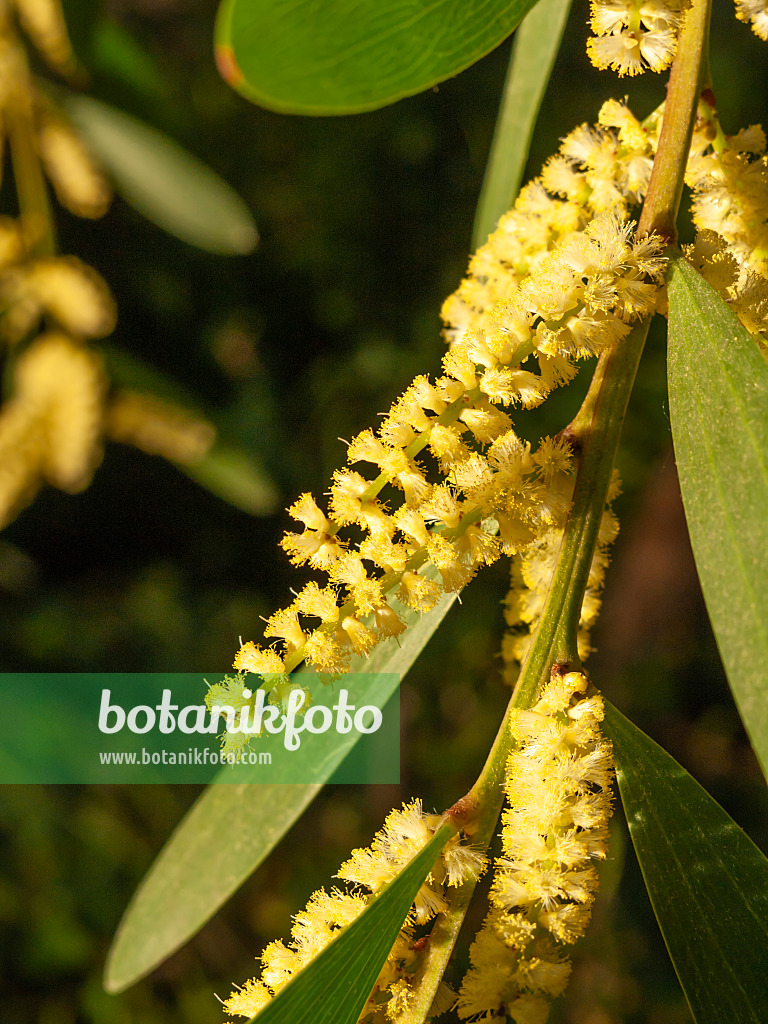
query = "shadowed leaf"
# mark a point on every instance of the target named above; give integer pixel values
(718, 403)
(707, 880)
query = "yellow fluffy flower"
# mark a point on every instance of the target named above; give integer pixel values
(405, 832)
(555, 826)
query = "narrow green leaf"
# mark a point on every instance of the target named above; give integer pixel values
(718, 403)
(707, 880)
(230, 473)
(171, 904)
(535, 48)
(335, 987)
(206, 859)
(235, 477)
(163, 181)
(310, 57)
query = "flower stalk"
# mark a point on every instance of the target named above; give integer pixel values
(594, 434)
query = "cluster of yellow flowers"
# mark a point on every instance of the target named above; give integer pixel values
(558, 788)
(560, 280)
(52, 425)
(632, 35)
(756, 13)
(405, 832)
(728, 176)
(531, 576)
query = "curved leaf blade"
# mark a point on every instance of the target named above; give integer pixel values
(164, 182)
(718, 402)
(311, 57)
(707, 880)
(171, 905)
(533, 56)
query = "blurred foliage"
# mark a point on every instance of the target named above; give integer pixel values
(365, 225)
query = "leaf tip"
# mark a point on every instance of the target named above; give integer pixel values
(227, 65)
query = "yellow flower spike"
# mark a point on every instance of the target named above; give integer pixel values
(552, 285)
(405, 832)
(12, 248)
(22, 446)
(557, 785)
(62, 383)
(158, 427)
(61, 287)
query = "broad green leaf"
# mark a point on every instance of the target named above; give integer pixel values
(335, 987)
(344, 56)
(163, 181)
(707, 880)
(171, 904)
(534, 50)
(718, 403)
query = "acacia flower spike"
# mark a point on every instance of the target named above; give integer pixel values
(370, 869)
(557, 785)
(581, 298)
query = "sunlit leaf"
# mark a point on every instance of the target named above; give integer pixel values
(718, 403)
(170, 186)
(707, 880)
(335, 986)
(344, 56)
(171, 905)
(536, 44)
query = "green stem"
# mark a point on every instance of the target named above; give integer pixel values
(689, 72)
(595, 431)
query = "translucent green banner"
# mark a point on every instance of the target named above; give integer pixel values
(183, 727)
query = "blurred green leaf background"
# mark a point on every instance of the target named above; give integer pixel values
(365, 227)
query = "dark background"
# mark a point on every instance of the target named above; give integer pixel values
(365, 226)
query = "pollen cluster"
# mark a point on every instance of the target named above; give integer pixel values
(555, 826)
(405, 832)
